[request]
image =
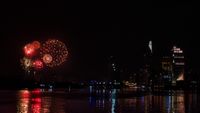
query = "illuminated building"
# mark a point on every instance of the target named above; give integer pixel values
(147, 75)
(177, 65)
(166, 66)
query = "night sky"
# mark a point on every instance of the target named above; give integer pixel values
(95, 31)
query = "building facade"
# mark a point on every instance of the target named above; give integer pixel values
(178, 65)
(166, 69)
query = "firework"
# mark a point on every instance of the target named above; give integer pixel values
(55, 51)
(29, 50)
(26, 63)
(36, 44)
(47, 58)
(51, 53)
(38, 64)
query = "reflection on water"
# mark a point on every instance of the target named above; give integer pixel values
(104, 101)
(46, 105)
(175, 102)
(35, 102)
(29, 101)
(23, 103)
(113, 102)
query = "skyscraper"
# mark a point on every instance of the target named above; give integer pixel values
(148, 64)
(177, 65)
(166, 69)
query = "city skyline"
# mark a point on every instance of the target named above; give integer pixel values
(99, 57)
(92, 36)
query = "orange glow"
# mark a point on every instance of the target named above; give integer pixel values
(181, 77)
(47, 58)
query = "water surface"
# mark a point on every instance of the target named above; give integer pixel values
(104, 101)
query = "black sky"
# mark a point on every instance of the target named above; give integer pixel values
(95, 31)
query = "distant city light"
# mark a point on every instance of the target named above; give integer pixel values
(179, 57)
(177, 50)
(180, 63)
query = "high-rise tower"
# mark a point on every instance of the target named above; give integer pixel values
(148, 64)
(177, 65)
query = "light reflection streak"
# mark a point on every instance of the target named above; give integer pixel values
(113, 105)
(46, 104)
(113, 101)
(176, 103)
(23, 103)
(29, 101)
(36, 105)
(180, 104)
